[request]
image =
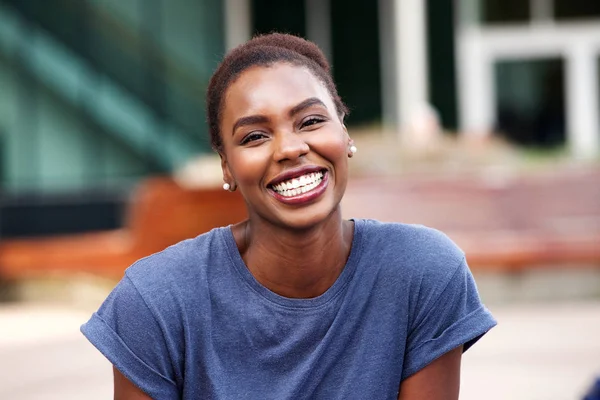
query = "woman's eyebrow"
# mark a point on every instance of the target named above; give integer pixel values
(261, 119)
(305, 104)
(249, 120)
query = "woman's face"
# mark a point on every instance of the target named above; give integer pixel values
(284, 145)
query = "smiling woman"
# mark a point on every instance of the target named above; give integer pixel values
(295, 302)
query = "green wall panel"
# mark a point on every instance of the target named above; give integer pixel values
(48, 147)
(49, 144)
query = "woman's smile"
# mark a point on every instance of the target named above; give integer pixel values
(302, 187)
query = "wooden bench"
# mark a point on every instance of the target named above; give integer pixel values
(544, 220)
(497, 251)
(160, 213)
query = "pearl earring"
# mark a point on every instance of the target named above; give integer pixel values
(353, 149)
(226, 186)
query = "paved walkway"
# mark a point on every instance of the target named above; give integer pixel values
(44, 357)
(538, 352)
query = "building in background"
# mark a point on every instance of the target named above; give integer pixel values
(96, 94)
(528, 69)
(531, 69)
(389, 57)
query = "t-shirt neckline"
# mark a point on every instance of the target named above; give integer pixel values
(314, 302)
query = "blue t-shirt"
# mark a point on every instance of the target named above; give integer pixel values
(191, 321)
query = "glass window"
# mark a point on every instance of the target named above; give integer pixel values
(504, 11)
(576, 9)
(531, 101)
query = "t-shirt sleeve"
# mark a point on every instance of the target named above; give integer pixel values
(126, 331)
(447, 315)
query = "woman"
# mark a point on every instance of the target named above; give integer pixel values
(295, 302)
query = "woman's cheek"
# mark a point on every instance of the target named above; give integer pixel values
(330, 146)
(252, 163)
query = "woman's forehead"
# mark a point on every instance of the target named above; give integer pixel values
(272, 88)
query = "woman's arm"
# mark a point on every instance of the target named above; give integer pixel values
(440, 380)
(125, 390)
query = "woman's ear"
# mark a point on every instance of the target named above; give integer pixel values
(227, 175)
(351, 147)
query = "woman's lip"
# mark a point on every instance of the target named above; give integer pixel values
(295, 173)
(303, 197)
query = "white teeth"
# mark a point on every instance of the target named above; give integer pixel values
(299, 185)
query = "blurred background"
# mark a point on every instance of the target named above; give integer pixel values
(476, 117)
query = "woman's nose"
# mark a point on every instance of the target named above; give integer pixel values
(289, 146)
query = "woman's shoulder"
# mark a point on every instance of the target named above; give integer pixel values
(179, 262)
(419, 248)
(411, 238)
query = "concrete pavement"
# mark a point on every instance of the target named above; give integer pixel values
(537, 352)
(44, 357)
(547, 351)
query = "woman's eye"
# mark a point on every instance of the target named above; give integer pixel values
(252, 137)
(311, 121)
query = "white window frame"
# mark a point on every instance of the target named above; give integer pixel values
(479, 48)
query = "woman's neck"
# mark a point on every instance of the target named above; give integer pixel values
(296, 264)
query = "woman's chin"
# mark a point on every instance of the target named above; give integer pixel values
(309, 218)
